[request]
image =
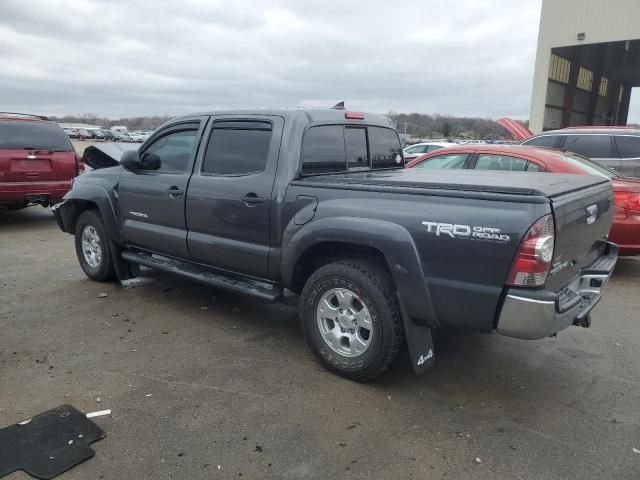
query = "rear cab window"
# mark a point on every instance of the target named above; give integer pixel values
(342, 148)
(28, 135)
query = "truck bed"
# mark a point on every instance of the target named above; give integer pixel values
(497, 182)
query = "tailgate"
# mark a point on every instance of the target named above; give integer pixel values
(583, 220)
(36, 165)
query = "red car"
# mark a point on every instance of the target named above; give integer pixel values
(625, 230)
(37, 161)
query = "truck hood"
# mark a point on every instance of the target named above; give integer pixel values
(519, 183)
(516, 128)
(107, 154)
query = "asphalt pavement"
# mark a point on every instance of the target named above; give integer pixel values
(206, 384)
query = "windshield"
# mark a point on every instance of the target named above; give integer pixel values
(590, 167)
(33, 136)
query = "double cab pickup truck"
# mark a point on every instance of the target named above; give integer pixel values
(318, 202)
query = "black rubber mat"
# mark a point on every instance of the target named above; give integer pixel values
(49, 444)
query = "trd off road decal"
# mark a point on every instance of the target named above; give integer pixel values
(467, 232)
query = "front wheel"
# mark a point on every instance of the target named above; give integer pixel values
(351, 318)
(92, 247)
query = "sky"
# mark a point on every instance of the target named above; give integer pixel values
(120, 58)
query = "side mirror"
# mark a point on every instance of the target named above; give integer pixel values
(150, 161)
(130, 160)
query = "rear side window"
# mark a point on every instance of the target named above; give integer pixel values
(534, 167)
(237, 148)
(33, 136)
(500, 162)
(338, 148)
(444, 162)
(590, 146)
(543, 141)
(629, 147)
(433, 148)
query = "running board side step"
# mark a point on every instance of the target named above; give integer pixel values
(246, 286)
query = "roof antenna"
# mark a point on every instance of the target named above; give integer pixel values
(339, 106)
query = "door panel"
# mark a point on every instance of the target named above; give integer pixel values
(152, 199)
(230, 194)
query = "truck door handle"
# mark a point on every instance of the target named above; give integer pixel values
(174, 192)
(252, 198)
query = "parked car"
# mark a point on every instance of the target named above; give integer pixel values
(137, 137)
(615, 147)
(318, 202)
(108, 135)
(625, 230)
(97, 134)
(83, 134)
(122, 137)
(37, 161)
(418, 149)
(71, 132)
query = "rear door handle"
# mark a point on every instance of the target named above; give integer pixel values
(252, 198)
(174, 192)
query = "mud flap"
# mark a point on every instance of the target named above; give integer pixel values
(124, 269)
(419, 342)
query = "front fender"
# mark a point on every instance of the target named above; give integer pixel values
(393, 241)
(78, 199)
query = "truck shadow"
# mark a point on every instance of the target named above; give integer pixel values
(30, 217)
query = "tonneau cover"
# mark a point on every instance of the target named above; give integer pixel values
(519, 183)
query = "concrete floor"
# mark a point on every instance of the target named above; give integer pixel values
(205, 384)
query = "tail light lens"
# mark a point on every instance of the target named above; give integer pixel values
(626, 200)
(79, 164)
(533, 260)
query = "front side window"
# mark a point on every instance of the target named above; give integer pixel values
(444, 162)
(542, 141)
(590, 146)
(169, 153)
(237, 148)
(628, 146)
(487, 161)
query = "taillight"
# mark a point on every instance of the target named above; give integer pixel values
(79, 164)
(532, 262)
(626, 200)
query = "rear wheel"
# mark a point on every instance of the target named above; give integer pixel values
(92, 247)
(351, 319)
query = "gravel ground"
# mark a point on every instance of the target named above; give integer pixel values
(205, 384)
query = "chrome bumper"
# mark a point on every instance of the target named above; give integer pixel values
(523, 316)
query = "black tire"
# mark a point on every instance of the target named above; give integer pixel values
(103, 271)
(376, 291)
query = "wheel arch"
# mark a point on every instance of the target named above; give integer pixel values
(387, 244)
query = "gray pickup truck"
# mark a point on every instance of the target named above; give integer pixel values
(318, 202)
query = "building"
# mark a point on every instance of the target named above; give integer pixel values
(587, 62)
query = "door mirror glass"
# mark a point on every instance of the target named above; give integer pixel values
(130, 160)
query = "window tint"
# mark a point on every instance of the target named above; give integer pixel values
(170, 153)
(237, 148)
(590, 146)
(384, 147)
(444, 162)
(543, 141)
(534, 167)
(323, 150)
(33, 135)
(488, 161)
(355, 140)
(629, 147)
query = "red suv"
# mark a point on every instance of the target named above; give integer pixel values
(37, 161)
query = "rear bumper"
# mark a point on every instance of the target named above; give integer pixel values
(531, 314)
(18, 191)
(625, 232)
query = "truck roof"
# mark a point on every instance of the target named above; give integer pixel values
(320, 115)
(543, 184)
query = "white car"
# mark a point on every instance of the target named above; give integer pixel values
(138, 136)
(414, 151)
